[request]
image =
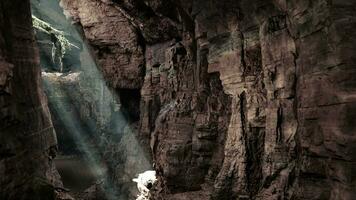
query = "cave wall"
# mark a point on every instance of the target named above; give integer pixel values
(240, 99)
(28, 141)
(113, 40)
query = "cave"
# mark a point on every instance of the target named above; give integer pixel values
(177, 100)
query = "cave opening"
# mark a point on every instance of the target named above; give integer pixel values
(93, 121)
(70, 99)
(130, 99)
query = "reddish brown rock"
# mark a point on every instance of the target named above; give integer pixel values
(249, 99)
(287, 70)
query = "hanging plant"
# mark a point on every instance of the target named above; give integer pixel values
(47, 28)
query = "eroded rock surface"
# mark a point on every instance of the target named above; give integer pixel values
(28, 141)
(238, 99)
(247, 99)
(113, 40)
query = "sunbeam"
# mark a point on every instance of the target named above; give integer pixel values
(88, 109)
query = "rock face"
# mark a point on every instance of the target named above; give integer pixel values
(248, 99)
(28, 142)
(113, 41)
(244, 99)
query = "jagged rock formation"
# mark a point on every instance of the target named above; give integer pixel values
(112, 39)
(28, 142)
(238, 99)
(238, 96)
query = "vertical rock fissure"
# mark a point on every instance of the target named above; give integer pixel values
(279, 123)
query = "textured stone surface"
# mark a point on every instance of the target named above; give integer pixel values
(28, 141)
(113, 40)
(239, 99)
(286, 70)
(248, 99)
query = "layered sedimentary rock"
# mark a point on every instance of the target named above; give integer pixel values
(244, 99)
(238, 103)
(238, 99)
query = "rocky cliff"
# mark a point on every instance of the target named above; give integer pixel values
(238, 99)
(28, 142)
(245, 99)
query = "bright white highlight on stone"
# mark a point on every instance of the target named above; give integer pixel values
(145, 182)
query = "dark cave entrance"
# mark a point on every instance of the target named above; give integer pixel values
(130, 99)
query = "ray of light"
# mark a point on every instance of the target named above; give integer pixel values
(103, 98)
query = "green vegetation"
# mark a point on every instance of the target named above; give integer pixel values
(47, 28)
